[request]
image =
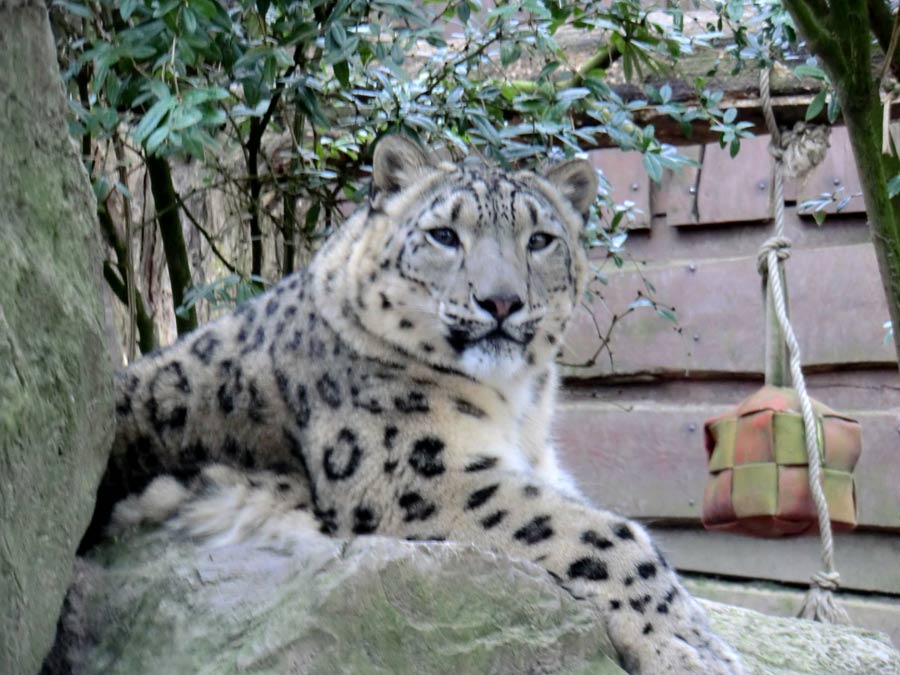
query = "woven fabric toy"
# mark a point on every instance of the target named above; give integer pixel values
(759, 472)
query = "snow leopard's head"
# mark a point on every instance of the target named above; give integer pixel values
(472, 268)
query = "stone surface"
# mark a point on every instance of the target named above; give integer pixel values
(874, 611)
(778, 646)
(371, 606)
(145, 604)
(56, 407)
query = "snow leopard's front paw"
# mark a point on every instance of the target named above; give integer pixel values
(679, 642)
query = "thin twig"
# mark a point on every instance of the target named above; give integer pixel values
(209, 240)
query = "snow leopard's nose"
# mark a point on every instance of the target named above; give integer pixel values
(500, 306)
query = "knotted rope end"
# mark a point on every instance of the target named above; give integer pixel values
(820, 603)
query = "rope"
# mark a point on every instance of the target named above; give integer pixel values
(781, 247)
(819, 604)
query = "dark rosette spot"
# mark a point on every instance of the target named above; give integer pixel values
(413, 402)
(646, 570)
(341, 460)
(481, 497)
(294, 397)
(126, 385)
(588, 568)
(534, 531)
(327, 520)
(593, 539)
(167, 402)
(295, 342)
(470, 409)
(622, 531)
(205, 347)
(259, 336)
(256, 405)
(481, 464)
(638, 604)
(493, 520)
(416, 507)
(426, 457)
(364, 520)
(329, 391)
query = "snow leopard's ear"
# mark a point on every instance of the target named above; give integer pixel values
(576, 181)
(397, 163)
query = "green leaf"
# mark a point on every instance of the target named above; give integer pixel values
(548, 70)
(189, 20)
(834, 108)
(893, 186)
(667, 314)
(75, 8)
(127, 7)
(182, 118)
(463, 11)
(312, 218)
(342, 73)
(816, 106)
(166, 7)
(665, 93)
(572, 94)
(159, 89)
(101, 189)
(152, 118)
(509, 53)
(653, 167)
(819, 216)
(156, 138)
(809, 70)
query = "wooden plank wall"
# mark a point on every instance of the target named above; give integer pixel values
(631, 426)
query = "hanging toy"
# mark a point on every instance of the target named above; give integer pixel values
(781, 463)
(759, 471)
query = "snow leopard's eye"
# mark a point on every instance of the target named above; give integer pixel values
(444, 236)
(539, 241)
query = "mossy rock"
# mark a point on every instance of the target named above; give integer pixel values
(56, 399)
(147, 604)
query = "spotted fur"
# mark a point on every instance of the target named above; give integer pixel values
(403, 385)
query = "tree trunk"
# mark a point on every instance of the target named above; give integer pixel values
(841, 38)
(167, 213)
(875, 169)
